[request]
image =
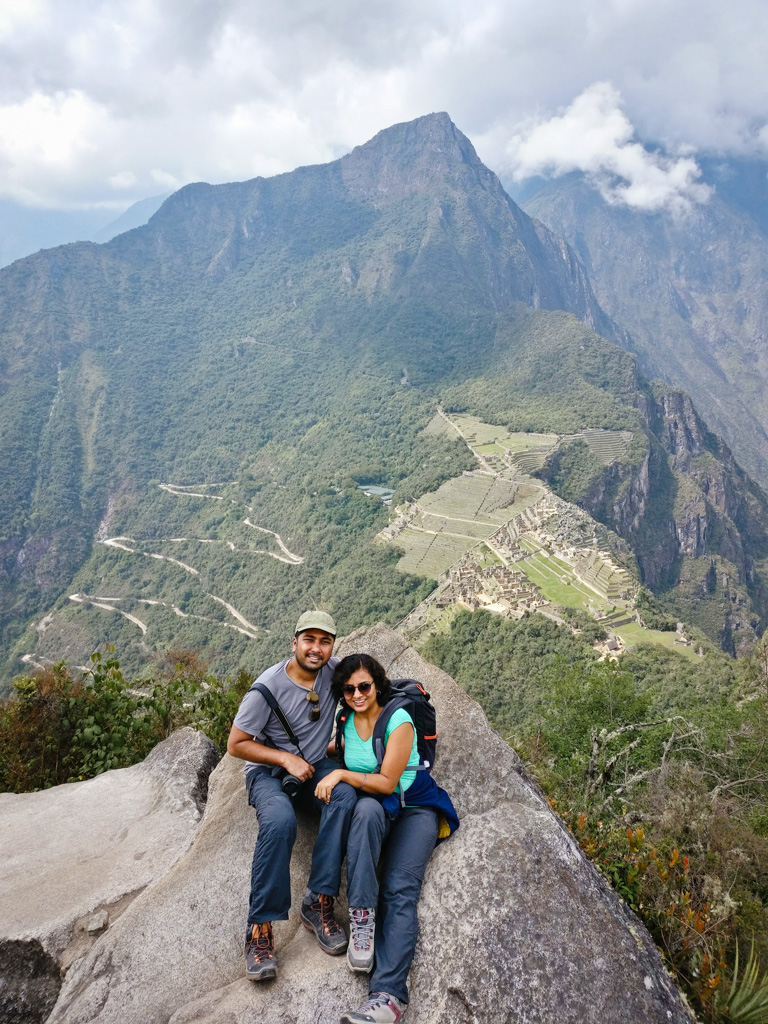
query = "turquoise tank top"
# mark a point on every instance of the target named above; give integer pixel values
(359, 755)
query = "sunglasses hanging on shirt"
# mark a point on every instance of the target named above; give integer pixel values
(314, 710)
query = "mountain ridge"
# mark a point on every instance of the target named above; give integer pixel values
(290, 336)
(690, 291)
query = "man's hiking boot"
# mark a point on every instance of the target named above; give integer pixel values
(317, 916)
(260, 963)
(380, 1008)
(362, 923)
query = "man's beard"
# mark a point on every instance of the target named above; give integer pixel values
(314, 669)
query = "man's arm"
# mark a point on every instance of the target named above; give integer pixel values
(243, 745)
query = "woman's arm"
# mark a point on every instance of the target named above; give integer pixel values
(399, 746)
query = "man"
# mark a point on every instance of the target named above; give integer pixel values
(301, 687)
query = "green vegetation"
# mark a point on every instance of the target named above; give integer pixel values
(571, 383)
(659, 768)
(429, 554)
(289, 339)
(452, 519)
(573, 470)
(556, 585)
(64, 728)
(651, 611)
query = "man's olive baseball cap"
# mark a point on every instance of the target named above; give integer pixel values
(316, 620)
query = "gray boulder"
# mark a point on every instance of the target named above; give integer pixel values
(516, 925)
(74, 857)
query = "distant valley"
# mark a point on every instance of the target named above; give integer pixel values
(188, 414)
(690, 289)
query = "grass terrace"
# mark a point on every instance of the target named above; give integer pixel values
(479, 433)
(485, 500)
(429, 554)
(633, 634)
(554, 577)
(455, 517)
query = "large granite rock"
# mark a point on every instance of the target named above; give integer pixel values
(516, 926)
(73, 858)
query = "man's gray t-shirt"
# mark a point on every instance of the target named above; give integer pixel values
(255, 716)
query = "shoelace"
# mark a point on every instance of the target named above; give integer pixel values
(261, 946)
(377, 1000)
(329, 923)
(361, 925)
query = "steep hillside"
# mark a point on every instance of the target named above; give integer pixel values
(187, 412)
(691, 291)
(696, 523)
(236, 317)
(694, 520)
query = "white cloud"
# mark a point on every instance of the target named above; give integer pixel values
(595, 136)
(226, 89)
(123, 179)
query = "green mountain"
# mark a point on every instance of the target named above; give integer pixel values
(187, 411)
(690, 290)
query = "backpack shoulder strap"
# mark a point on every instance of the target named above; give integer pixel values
(341, 721)
(279, 714)
(380, 728)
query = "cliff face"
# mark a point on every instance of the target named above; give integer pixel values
(691, 291)
(694, 519)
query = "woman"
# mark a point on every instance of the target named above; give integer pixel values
(387, 908)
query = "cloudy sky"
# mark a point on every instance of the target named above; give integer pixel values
(103, 102)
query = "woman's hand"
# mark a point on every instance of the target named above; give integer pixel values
(325, 786)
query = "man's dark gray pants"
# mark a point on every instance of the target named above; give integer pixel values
(270, 872)
(407, 845)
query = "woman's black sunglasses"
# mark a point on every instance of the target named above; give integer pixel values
(362, 687)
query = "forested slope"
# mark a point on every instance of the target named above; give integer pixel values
(268, 346)
(690, 289)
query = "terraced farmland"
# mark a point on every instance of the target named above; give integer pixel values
(478, 433)
(483, 499)
(555, 577)
(429, 554)
(521, 441)
(632, 634)
(554, 589)
(606, 445)
(456, 517)
(529, 461)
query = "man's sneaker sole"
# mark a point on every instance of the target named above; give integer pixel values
(335, 951)
(267, 973)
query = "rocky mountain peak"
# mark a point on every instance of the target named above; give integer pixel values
(411, 157)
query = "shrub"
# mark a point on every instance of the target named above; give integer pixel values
(58, 728)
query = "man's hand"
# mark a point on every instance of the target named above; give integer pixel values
(297, 766)
(240, 744)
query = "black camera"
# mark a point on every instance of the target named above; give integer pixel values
(290, 783)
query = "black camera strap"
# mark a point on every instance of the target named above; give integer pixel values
(279, 714)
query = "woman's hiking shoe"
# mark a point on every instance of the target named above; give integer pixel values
(381, 1008)
(362, 923)
(317, 916)
(260, 963)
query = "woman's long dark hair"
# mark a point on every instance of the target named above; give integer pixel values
(351, 664)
